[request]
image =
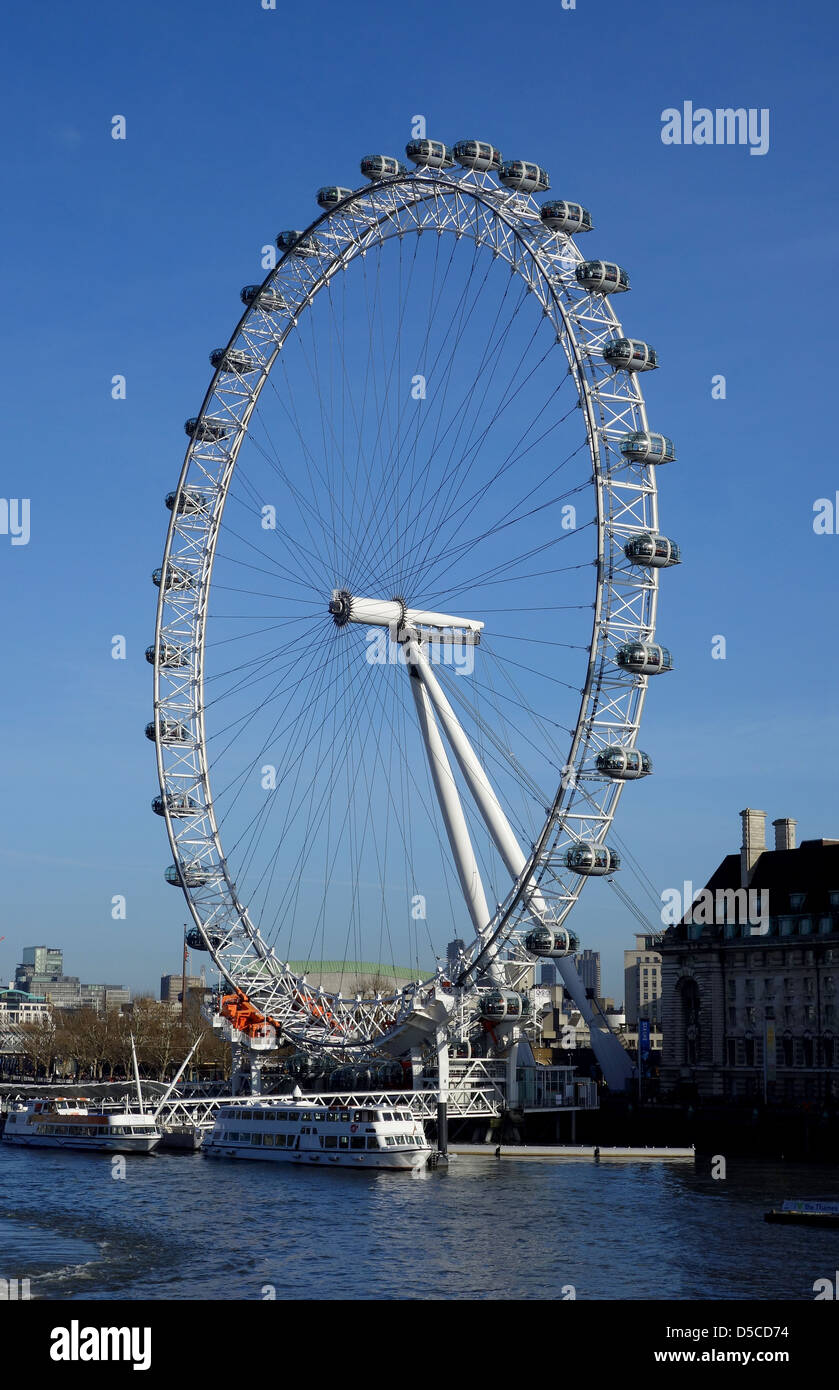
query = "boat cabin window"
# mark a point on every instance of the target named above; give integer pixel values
(357, 1141)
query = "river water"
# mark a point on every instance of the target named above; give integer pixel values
(180, 1226)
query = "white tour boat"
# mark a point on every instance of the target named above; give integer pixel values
(72, 1124)
(303, 1131)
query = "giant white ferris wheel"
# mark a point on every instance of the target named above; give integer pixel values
(406, 610)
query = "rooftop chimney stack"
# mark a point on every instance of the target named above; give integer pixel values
(784, 833)
(754, 843)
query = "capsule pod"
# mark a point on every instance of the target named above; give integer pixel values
(630, 355)
(624, 764)
(267, 299)
(331, 196)
(551, 942)
(477, 155)
(501, 1006)
(195, 940)
(298, 243)
(602, 277)
(644, 447)
(591, 859)
(176, 578)
(381, 166)
(171, 730)
(192, 876)
(570, 218)
(523, 176)
(429, 154)
(177, 803)
(644, 658)
(207, 430)
(188, 501)
(169, 655)
(652, 551)
(232, 360)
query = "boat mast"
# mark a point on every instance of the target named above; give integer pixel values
(136, 1073)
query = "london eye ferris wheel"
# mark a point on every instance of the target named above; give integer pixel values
(407, 605)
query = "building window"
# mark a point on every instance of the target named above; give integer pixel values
(732, 1018)
(796, 901)
(731, 1050)
(731, 986)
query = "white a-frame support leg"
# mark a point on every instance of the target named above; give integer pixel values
(453, 817)
(613, 1058)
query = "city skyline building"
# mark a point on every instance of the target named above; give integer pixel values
(751, 1007)
(40, 972)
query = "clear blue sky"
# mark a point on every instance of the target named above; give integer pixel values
(127, 257)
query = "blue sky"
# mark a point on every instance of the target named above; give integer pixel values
(127, 257)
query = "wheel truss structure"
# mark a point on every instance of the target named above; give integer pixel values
(470, 207)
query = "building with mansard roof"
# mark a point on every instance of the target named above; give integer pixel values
(750, 975)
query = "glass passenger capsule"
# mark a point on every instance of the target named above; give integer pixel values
(592, 860)
(171, 730)
(501, 1006)
(630, 355)
(189, 501)
(177, 803)
(624, 764)
(478, 155)
(652, 551)
(169, 655)
(263, 299)
(551, 942)
(331, 196)
(644, 447)
(566, 217)
(232, 360)
(523, 176)
(194, 940)
(176, 578)
(194, 876)
(297, 243)
(644, 658)
(207, 429)
(429, 154)
(381, 166)
(602, 277)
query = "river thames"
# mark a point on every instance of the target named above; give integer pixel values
(186, 1227)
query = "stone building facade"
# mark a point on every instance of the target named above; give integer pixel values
(750, 984)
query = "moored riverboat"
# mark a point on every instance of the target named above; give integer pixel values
(72, 1124)
(307, 1132)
